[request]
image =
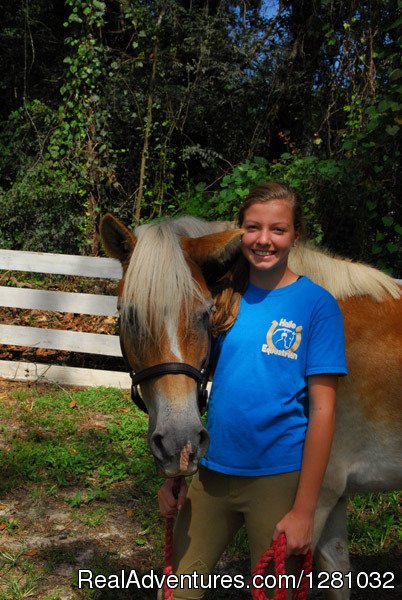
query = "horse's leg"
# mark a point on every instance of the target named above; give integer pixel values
(331, 552)
(330, 530)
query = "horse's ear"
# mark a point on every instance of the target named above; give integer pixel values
(213, 248)
(118, 241)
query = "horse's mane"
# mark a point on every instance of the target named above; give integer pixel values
(158, 281)
(340, 276)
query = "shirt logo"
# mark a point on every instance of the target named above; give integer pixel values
(283, 339)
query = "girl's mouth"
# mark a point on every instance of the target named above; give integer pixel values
(263, 252)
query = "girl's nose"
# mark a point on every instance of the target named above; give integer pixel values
(264, 237)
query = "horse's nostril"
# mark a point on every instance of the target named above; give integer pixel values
(204, 440)
(157, 446)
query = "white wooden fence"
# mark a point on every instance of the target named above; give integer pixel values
(92, 304)
(72, 341)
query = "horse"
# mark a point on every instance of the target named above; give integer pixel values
(165, 307)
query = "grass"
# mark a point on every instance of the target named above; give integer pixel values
(51, 442)
(77, 448)
(20, 579)
(92, 518)
(374, 523)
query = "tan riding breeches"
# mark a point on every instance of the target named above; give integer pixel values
(217, 505)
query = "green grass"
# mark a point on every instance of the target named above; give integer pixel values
(74, 446)
(374, 523)
(51, 442)
(92, 518)
(9, 525)
(18, 574)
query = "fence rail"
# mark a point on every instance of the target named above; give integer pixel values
(66, 302)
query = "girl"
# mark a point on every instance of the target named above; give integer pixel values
(271, 412)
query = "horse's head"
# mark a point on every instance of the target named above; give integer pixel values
(165, 307)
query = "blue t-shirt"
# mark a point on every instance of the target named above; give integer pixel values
(258, 407)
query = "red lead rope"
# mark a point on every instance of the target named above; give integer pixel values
(277, 553)
(168, 595)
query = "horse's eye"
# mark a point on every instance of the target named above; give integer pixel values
(203, 317)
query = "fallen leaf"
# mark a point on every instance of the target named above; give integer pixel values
(44, 352)
(130, 513)
(73, 404)
(123, 410)
(3, 526)
(31, 552)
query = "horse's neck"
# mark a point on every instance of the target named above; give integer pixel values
(341, 277)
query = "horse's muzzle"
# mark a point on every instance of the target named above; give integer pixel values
(174, 458)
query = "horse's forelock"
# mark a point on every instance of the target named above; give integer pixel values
(158, 284)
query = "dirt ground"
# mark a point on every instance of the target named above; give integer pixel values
(54, 539)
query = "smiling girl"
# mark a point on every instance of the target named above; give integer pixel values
(271, 413)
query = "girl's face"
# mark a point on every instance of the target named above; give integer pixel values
(269, 236)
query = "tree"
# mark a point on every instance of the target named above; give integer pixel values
(149, 108)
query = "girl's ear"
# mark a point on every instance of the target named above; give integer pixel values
(118, 241)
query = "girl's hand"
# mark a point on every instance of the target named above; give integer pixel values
(298, 528)
(169, 500)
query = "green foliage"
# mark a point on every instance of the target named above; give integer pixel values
(31, 193)
(371, 144)
(79, 148)
(153, 103)
(236, 185)
(233, 187)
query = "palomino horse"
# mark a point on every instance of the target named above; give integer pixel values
(164, 309)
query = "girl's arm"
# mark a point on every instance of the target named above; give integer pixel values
(298, 523)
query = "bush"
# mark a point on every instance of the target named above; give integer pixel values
(40, 213)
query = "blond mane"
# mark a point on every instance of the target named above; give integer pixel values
(159, 284)
(158, 281)
(340, 276)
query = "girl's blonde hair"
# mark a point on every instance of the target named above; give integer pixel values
(231, 287)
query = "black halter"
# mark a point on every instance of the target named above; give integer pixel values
(170, 368)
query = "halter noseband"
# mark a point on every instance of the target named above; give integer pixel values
(169, 368)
